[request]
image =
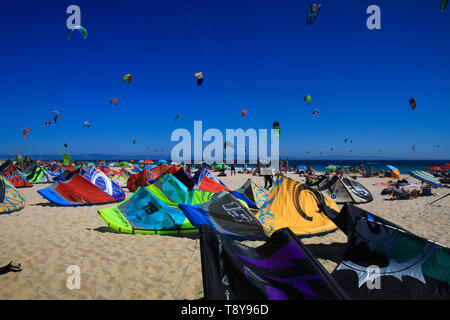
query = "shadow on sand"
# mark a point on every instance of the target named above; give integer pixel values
(334, 251)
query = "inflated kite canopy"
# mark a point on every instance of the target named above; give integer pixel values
(145, 213)
(127, 77)
(408, 267)
(254, 194)
(308, 99)
(10, 199)
(344, 189)
(228, 215)
(444, 5)
(313, 12)
(101, 180)
(412, 103)
(67, 158)
(75, 191)
(87, 124)
(25, 132)
(9, 171)
(116, 102)
(57, 115)
(298, 207)
(276, 127)
(81, 29)
(244, 113)
(280, 269)
(179, 116)
(34, 173)
(199, 77)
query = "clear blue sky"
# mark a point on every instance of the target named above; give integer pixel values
(255, 55)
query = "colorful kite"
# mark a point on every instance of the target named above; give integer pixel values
(199, 77)
(25, 132)
(308, 99)
(127, 77)
(276, 127)
(81, 29)
(412, 102)
(443, 5)
(313, 12)
(57, 115)
(114, 100)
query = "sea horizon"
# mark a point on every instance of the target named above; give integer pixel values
(319, 164)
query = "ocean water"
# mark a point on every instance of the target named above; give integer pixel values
(404, 166)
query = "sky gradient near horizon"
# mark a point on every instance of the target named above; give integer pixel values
(255, 55)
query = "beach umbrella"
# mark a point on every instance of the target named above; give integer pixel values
(331, 167)
(425, 177)
(161, 161)
(148, 161)
(447, 166)
(433, 169)
(395, 172)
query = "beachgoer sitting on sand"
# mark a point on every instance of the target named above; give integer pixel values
(311, 179)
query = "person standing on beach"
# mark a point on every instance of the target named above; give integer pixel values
(268, 177)
(258, 167)
(233, 169)
(286, 165)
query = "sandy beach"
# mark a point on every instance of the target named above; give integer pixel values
(47, 239)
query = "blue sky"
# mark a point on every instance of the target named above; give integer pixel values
(255, 55)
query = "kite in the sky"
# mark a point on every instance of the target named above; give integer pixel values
(86, 124)
(313, 12)
(443, 5)
(67, 158)
(25, 132)
(308, 99)
(179, 116)
(413, 148)
(57, 114)
(134, 141)
(316, 112)
(128, 77)
(115, 101)
(276, 127)
(47, 123)
(412, 102)
(331, 149)
(81, 29)
(345, 140)
(199, 77)
(65, 145)
(244, 113)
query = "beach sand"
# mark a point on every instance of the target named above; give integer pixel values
(47, 239)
